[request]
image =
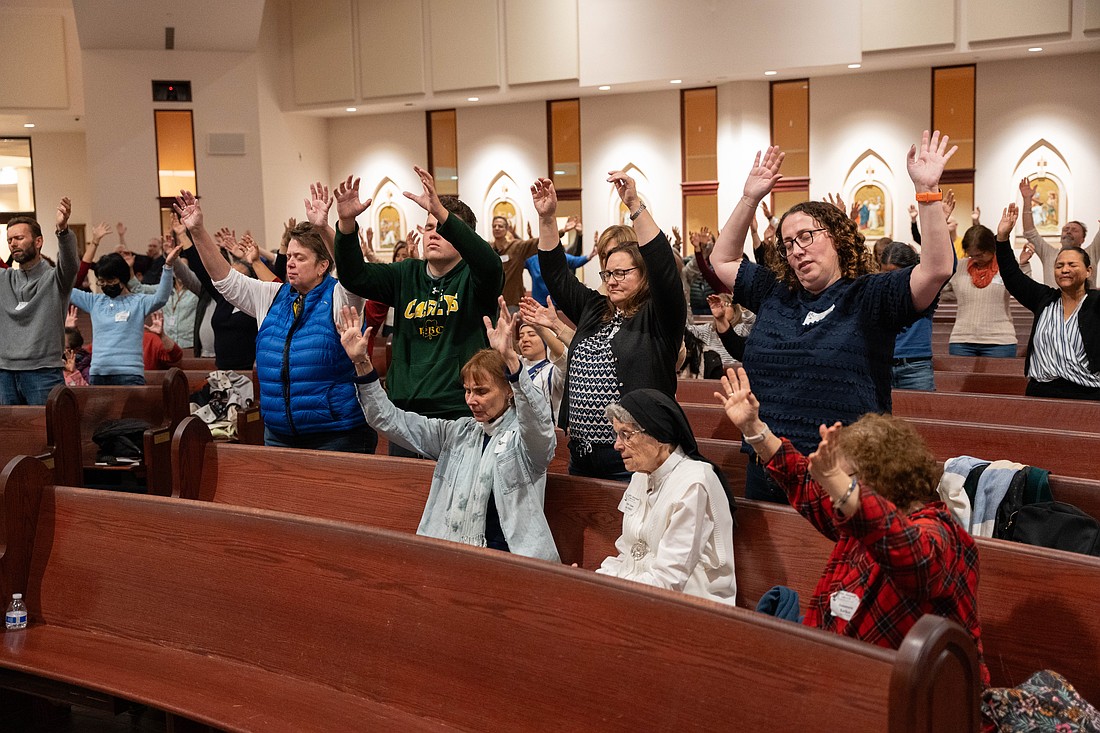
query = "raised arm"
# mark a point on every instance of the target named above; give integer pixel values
(317, 206)
(190, 213)
(568, 292)
(1031, 294)
(729, 248)
(644, 226)
(937, 263)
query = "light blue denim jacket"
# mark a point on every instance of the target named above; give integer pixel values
(512, 467)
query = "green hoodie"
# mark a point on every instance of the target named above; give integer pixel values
(437, 322)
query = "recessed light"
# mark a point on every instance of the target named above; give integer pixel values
(1035, 49)
(676, 81)
(770, 73)
(472, 99)
(28, 124)
(605, 88)
(454, 178)
(351, 109)
(559, 173)
(854, 66)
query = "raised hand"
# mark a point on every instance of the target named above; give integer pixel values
(64, 210)
(126, 255)
(1026, 253)
(412, 239)
(156, 324)
(172, 253)
(976, 216)
(676, 236)
(625, 187)
(824, 462)
(570, 224)
(100, 230)
(926, 161)
(1007, 222)
(764, 174)
(501, 336)
(912, 212)
(853, 214)
(530, 234)
(1028, 191)
(545, 198)
(767, 211)
(837, 202)
(249, 251)
(70, 360)
(428, 199)
(348, 205)
(70, 317)
(948, 204)
(318, 204)
(188, 210)
(739, 402)
(352, 338)
(121, 229)
(718, 310)
(533, 312)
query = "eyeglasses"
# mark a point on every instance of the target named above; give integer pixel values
(619, 275)
(802, 239)
(627, 435)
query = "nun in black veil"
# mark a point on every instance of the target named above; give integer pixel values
(677, 512)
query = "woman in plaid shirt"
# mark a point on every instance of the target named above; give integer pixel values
(871, 487)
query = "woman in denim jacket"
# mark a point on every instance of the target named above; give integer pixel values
(490, 476)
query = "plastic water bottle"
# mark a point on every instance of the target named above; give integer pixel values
(16, 617)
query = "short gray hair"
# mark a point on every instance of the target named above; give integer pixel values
(615, 411)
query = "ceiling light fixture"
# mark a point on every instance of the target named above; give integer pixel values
(605, 88)
(770, 73)
(351, 109)
(854, 66)
(1035, 49)
(472, 99)
(28, 125)
(676, 81)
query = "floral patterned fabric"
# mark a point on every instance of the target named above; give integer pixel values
(1046, 703)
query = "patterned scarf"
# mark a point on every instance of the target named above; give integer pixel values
(980, 275)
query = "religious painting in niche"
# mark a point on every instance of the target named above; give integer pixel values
(1046, 205)
(389, 227)
(871, 218)
(507, 209)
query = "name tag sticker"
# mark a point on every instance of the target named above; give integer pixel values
(22, 304)
(170, 321)
(504, 258)
(843, 604)
(122, 316)
(629, 504)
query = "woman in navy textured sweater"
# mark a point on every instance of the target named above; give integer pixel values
(822, 347)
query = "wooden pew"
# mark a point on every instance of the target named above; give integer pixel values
(250, 426)
(83, 409)
(268, 621)
(978, 364)
(27, 430)
(1006, 384)
(773, 544)
(1032, 412)
(197, 363)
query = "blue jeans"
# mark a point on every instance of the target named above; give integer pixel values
(117, 380)
(999, 351)
(356, 440)
(914, 375)
(603, 461)
(28, 386)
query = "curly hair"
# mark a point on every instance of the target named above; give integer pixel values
(855, 259)
(891, 457)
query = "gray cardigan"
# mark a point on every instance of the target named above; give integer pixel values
(512, 467)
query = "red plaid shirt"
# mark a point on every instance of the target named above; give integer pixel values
(899, 566)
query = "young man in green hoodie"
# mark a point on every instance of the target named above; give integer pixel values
(438, 301)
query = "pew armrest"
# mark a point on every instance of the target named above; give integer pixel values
(250, 426)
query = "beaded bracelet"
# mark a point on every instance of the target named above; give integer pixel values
(847, 494)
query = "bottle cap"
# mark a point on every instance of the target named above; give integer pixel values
(16, 596)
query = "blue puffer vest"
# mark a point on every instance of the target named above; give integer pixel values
(305, 375)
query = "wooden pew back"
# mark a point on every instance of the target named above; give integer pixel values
(266, 620)
(773, 546)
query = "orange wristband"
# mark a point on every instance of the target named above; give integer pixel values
(929, 197)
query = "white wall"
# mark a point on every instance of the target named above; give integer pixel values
(743, 129)
(121, 144)
(293, 147)
(885, 112)
(509, 138)
(1019, 102)
(377, 146)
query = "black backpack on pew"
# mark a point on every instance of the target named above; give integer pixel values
(1057, 525)
(121, 438)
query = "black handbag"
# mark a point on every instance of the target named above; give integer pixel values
(1057, 525)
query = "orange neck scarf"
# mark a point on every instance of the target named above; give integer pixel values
(981, 276)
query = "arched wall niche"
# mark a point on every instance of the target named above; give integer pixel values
(617, 211)
(388, 216)
(500, 200)
(1045, 167)
(867, 183)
